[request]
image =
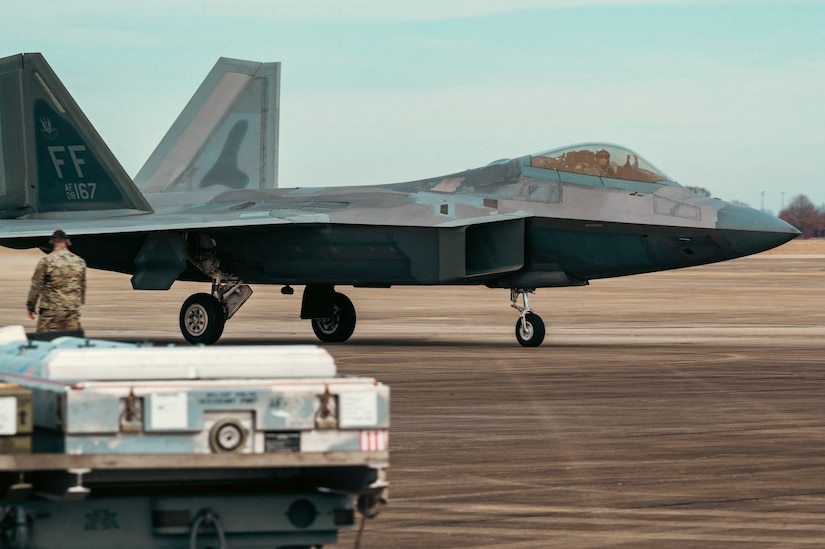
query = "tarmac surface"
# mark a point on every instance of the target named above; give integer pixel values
(677, 409)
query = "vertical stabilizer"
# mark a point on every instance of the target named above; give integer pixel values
(226, 137)
(51, 158)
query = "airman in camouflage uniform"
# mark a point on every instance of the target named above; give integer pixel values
(58, 288)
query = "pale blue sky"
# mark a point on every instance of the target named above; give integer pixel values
(729, 96)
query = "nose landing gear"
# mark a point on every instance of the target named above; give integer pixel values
(529, 326)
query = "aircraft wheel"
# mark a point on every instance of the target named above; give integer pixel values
(202, 319)
(340, 325)
(532, 333)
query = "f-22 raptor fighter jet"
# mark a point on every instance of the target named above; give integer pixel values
(206, 207)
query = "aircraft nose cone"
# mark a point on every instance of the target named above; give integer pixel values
(750, 231)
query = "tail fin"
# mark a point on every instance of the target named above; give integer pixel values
(225, 138)
(51, 158)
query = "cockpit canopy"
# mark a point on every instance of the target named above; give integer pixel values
(600, 160)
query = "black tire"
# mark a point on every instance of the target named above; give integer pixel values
(533, 335)
(202, 319)
(339, 327)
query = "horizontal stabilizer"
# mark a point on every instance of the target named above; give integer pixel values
(51, 157)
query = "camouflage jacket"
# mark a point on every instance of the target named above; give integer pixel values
(59, 282)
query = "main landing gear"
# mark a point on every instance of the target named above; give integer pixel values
(338, 327)
(203, 316)
(529, 326)
(331, 313)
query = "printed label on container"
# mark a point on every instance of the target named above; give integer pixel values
(169, 411)
(8, 416)
(357, 409)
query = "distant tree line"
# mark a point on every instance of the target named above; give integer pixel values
(802, 214)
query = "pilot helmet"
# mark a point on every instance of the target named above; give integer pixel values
(602, 153)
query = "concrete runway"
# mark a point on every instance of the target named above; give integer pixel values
(679, 409)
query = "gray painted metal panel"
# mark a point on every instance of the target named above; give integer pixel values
(226, 135)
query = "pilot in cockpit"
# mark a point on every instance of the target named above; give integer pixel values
(603, 164)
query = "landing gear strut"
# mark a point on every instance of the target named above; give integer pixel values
(529, 326)
(203, 316)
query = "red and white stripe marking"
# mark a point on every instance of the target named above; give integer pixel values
(373, 441)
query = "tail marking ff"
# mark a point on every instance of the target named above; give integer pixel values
(51, 158)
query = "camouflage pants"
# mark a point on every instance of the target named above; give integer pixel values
(58, 321)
